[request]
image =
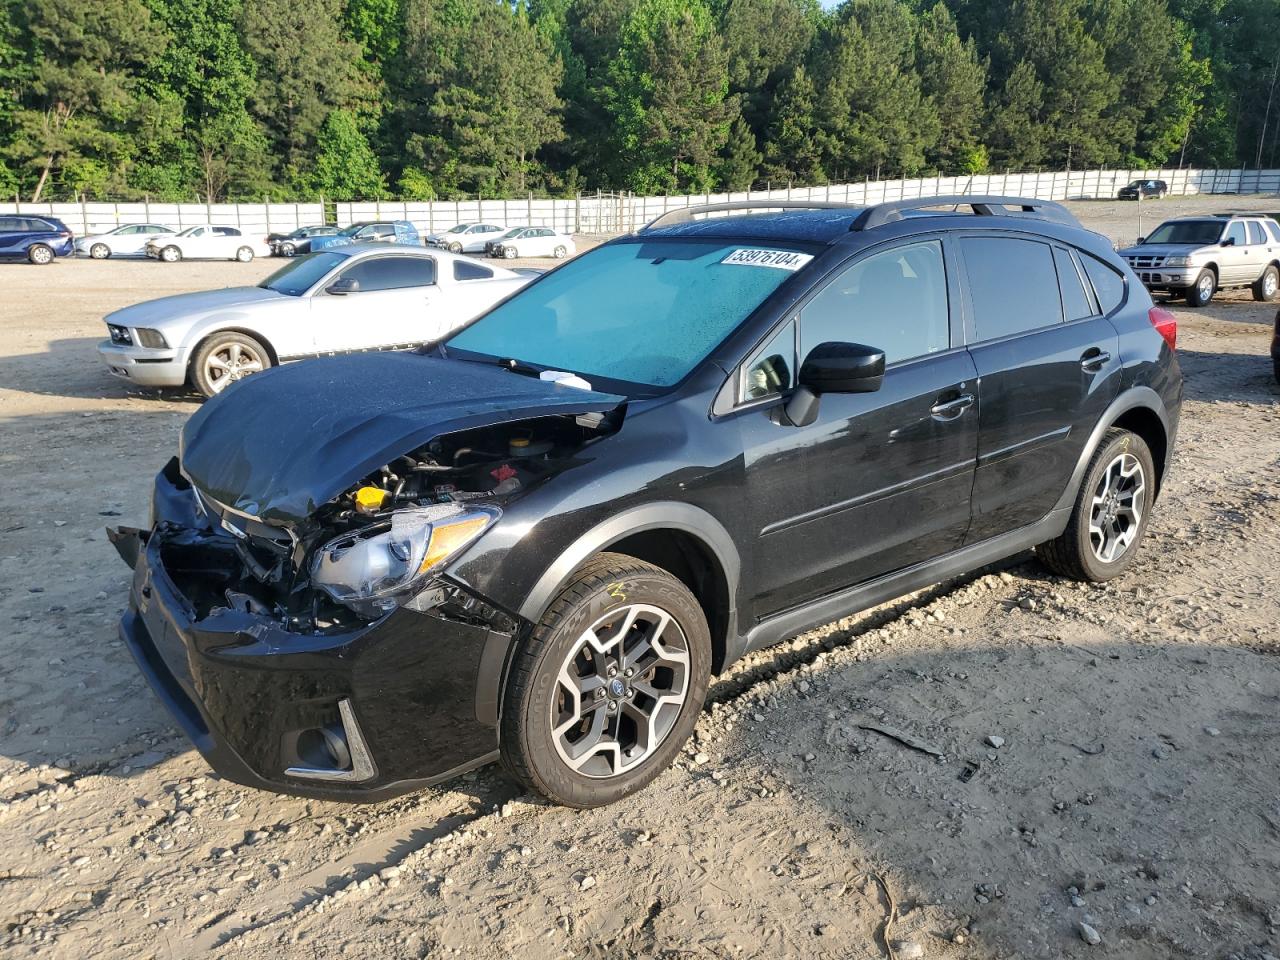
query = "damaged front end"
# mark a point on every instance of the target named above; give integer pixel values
(331, 654)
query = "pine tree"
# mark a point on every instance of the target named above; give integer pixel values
(955, 80)
(1015, 131)
(792, 151)
(740, 160)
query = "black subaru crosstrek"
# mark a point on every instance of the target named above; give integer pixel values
(540, 538)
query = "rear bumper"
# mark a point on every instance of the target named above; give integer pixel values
(251, 695)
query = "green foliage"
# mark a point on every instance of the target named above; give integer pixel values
(346, 168)
(285, 98)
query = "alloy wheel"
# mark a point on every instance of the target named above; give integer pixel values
(234, 361)
(620, 690)
(1115, 514)
(1270, 282)
(1206, 286)
(99, 251)
(41, 255)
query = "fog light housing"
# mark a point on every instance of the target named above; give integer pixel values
(336, 751)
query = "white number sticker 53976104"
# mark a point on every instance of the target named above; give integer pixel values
(779, 259)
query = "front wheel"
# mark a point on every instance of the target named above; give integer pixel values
(225, 358)
(244, 254)
(1267, 287)
(1201, 292)
(455, 247)
(509, 253)
(99, 251)
(609, 685)
(559, 252)
(40, 254)
(287, 250)
(171, 254)
(1110, 513)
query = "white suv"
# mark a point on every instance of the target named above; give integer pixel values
(1198, 256)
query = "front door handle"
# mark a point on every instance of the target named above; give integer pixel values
(1094, 360)
(950, 409)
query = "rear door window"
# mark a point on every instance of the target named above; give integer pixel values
(1108, 284)
(1255, 233)
(1274, 229)
(1011, 283)
(895, 301)
(1075, 302)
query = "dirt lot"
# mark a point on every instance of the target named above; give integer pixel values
(1136, 786)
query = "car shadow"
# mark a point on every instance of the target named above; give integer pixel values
(71, 367)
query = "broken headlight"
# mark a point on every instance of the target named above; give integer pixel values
(373, 569)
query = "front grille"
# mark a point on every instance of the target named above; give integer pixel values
(120, 335)
(1151, 277)
(1145, 262)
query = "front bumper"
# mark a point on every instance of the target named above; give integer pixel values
(1167, 278)
(407, 690)
(147, 368)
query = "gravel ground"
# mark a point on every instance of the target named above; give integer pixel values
(1108, 766)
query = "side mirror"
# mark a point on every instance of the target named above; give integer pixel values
(342, 286)
(1229, 242)
(1140, 241)
(834, 367)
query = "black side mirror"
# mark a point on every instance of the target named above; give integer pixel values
(342, 286)
(1229, 242)
(1140, 241)
(834, 367)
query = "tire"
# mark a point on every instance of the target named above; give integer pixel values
(1266, 289)
(40, 254)
(1275, 369)
(1122, 462)
(509, 253)
(238, 354)
(99, 251)
(559, 252)
(171, 254)
(455, 247)
(1201, 292)
(287, 250)
(539, 735)
(244, 254)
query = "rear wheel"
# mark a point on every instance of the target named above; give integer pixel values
(1201, 292)
(40, 254)
(1267, 287)
(225, 358)
(99, 251)
(244, 254)
(1110, 513)
(609, 685)
(171, 254)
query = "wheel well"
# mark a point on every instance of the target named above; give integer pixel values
(693, 563)
(1213, 267)
(1146, 423)
(271, 350)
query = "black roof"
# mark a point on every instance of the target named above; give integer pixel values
(818, 225)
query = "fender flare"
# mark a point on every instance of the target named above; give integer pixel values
(495, 659)
(662, 514)
(1131, 399)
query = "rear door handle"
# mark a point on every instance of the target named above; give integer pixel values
(1094, 360)
(950, 409)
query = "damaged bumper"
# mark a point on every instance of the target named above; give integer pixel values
(360, 713)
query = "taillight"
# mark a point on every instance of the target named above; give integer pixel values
(1166, 325)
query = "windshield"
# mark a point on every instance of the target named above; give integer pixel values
(352, 230)
(644, 313)
(189, 231)
(298, 276)
(1198, 232)
(460, 228)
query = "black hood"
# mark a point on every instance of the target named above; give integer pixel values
(284, 442)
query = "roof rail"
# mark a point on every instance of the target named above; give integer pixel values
(685, 214)
(992, 206)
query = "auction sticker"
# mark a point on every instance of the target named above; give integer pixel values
(778, 259)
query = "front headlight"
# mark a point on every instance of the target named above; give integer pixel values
(373, 569)
(151, 338)
(1177, 261)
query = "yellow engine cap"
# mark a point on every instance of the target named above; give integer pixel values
(370, 499)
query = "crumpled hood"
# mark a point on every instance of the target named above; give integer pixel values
(284, 442)
(184, 306)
